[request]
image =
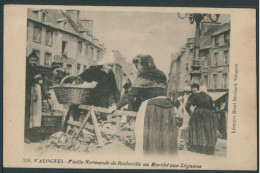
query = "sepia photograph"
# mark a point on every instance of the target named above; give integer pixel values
(128, 88)
(162, 66)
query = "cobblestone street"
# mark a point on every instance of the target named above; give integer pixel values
(116, 147)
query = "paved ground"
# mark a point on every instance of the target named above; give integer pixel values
(116, 147)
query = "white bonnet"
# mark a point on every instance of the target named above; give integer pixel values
(108, 58)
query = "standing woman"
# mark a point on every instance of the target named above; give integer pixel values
(155, 126)
(32, 75)
(202, 129)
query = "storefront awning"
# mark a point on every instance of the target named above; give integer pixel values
(216, 95)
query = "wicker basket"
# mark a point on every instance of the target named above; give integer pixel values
(71, 94)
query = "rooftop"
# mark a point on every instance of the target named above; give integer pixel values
(54, 17)
(205, 39)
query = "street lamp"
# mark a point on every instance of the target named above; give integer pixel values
(197, 17)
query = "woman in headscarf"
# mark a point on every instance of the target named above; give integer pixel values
(155, 127)
(32, 74)
(202, 129)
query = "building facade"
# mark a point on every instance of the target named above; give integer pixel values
(213, 56)
(63, 37)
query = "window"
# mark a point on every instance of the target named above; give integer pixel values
(226, 58)
(49, 38)
(224, 78)
(91, 52)
(37, 34)
(86, 49)
(84, 67)
(215, 59)
(78, 69)
(226, 37)
(69, 68)
(206, 63)
(38, 54)
(187, 68)
(215, 81)
(80, 47)
(98, 55)
(216, 41)
(44, 15)
(206, 80)
(213, 41)
(221, 39)
(47, 60)
(64, 49)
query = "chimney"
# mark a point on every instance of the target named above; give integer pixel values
(74, 14)
(87, 24)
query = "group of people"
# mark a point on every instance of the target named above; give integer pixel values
(156, 130)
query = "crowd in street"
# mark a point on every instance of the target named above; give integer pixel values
(159, 121)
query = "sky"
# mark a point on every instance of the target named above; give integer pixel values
(153, 33)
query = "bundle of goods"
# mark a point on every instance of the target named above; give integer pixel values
(73, 90)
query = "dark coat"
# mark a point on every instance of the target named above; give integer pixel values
(202, 129)
(202, 100)
(105, 89)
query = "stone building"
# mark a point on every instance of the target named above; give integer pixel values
(213, 56)
(63, 37)
(127, 69)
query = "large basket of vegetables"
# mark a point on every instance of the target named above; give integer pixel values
(73, 92)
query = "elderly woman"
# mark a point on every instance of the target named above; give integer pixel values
(105, 92)
(202, 130)
(155, 127)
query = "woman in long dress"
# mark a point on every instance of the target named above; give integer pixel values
(155, 127)
(31, 75)
(202, 129)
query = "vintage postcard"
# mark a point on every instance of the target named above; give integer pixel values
(129, 88)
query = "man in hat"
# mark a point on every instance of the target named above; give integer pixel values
(48, 81)
(53, 79)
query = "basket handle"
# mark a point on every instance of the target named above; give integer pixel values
(70, 76)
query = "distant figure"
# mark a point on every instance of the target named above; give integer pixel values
(202, 130)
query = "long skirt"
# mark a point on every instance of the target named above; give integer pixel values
(159, 133)
(202, 129)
